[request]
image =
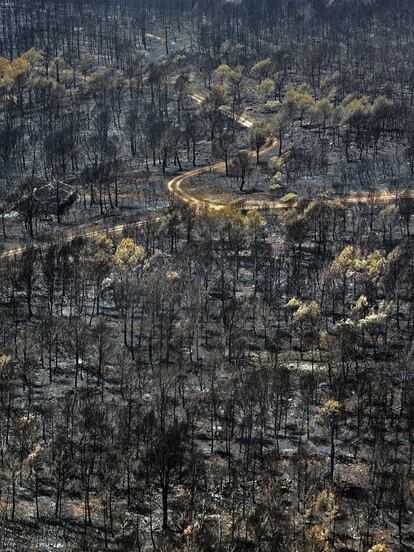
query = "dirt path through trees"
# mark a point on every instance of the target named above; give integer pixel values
(176, 188)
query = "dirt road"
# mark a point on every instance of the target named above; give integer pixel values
(175, 185)
(176, 188)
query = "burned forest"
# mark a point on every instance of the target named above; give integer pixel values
(207, 275)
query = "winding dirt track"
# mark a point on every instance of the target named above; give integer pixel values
(176, 188)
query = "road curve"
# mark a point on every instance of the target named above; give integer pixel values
(175, 185)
